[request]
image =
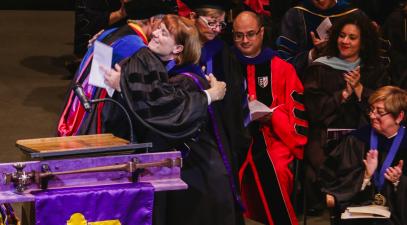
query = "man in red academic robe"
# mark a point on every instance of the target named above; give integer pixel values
(266, 179)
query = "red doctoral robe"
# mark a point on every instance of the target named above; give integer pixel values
(266, 179)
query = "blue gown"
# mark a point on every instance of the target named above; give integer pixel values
(74, 120)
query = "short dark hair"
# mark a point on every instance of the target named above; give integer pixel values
(369, 38)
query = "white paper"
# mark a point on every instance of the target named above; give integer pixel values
(323, 29)
(258, 110)
(102, 56)
(369, 211)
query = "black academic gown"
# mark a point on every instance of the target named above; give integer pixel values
(225, 68)
(394, 30)
(343, 171)
(210, 197)
(176, 107)
(170, 113)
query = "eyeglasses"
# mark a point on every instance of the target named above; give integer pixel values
(239, 36)
(213, 24)
(376, 113)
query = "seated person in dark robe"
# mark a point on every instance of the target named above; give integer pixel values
(337, 87)
(211, 194)
(368, 166)
(299, 43)
(395, 30)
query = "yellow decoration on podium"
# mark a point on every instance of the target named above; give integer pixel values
(79, 219)
(1, 220)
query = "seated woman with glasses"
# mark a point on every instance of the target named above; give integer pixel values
(337, 87)
(369, 164)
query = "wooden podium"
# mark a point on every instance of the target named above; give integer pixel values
(78, 145)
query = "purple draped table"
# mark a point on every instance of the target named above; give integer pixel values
(101, 190)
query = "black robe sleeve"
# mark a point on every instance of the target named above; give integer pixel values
(373, 77)
(230, 108)
(293, 41)
(172, 110)
(399, 202)
(323, 93)
(394, 30)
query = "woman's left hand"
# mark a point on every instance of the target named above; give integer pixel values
(393, 174)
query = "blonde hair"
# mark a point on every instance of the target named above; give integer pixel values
(211, 12)
(185, 33)
(394, 99)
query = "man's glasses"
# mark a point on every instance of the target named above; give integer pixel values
(376, 113)
(213, 24)
(239, 36)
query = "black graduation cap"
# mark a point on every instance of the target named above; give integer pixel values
(144, 9)
(214, 4)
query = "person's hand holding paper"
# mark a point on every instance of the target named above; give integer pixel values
(324, 28)
(112, 77)
(322, 39)
(259, 111)
(102, 58)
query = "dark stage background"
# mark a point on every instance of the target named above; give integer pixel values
(37, 4)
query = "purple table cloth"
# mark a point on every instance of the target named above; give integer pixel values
(125, 204)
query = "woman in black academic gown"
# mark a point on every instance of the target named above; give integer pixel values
(369, 165)
(211, 194)
(210, 197)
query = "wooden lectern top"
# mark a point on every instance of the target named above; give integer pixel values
(73, 145)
